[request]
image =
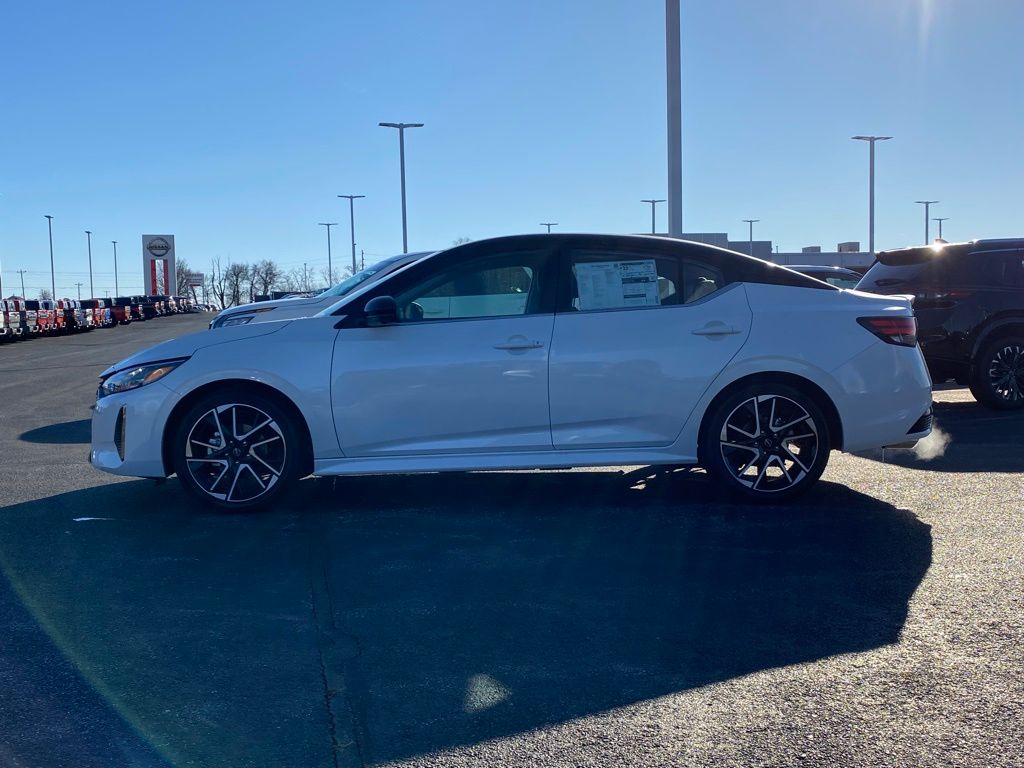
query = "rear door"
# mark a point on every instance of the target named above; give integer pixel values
(642, 332)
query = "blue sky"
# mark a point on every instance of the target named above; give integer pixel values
(234, 125)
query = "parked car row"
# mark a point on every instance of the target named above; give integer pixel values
(26, 318)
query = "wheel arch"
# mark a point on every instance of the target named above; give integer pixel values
(1008, 326)
(236, 385)
(821, 399)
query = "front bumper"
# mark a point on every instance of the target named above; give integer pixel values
(136, 448)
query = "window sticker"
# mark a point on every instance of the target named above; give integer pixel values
(617, 284)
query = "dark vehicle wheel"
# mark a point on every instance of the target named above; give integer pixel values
(237, 451)
(998, 377)
(766, 442)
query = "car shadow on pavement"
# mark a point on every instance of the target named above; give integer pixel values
(66, 432)
(379, 618)
(980, 440)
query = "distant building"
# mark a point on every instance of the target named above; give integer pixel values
(847, 254)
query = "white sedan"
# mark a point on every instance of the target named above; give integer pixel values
(530, 351)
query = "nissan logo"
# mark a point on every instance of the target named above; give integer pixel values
(158, 247)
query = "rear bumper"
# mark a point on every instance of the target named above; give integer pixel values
(886, 393)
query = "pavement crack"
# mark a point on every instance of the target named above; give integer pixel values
(328, 692)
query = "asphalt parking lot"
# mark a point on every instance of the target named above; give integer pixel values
(609, 617)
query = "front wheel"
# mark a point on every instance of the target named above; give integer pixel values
(236, 450)
(766, 442)
(997, 380)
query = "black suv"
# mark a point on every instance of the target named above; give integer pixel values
(969, 302)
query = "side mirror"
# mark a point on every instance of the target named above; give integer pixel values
(381, 310)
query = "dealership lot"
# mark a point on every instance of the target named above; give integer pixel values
(564, 618)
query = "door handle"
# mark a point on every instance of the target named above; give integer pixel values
(715, 329)
(516, 345)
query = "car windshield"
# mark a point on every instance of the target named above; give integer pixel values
(359, 278)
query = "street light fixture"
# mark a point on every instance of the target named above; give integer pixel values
(401, 155)
(53, 282)
(751, 222)
(549, 225)
(352, 224)
(940, 219)
(88, 238)
(330, 268)
(871, 187)
(653, 203)
(927, 206)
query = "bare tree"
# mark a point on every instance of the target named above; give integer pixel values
(236, 278)
(265, 275)
(218, 284)
(44, 294)
(461, 240)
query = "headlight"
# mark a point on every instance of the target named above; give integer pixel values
(133, 378)
(236, 320)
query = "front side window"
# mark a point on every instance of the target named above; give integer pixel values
(499, 285)
(621, 280)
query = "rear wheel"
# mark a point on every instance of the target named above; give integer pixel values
(766, 442)
(997, 380)
(237, 450)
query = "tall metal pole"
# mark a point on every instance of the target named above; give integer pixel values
(352, 225)
(549, 225)
(401, 157)
(653, 203)
(330, 268)
(79, 286)
(750, 247)
(88, 238)
(940, 219)
(21, 273)
(305, 280)
(927, 205)
(871, 187)
(53, 282)
(117, 290)
(675, 119)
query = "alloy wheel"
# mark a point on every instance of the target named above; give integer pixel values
(769, 443)
(1006, 373)
(235, 452)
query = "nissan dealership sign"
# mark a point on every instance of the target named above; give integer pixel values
(158, 265)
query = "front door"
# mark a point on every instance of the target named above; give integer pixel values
(463, 370)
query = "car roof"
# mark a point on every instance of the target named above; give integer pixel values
(821, 268)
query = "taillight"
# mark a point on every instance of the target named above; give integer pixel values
(892, 330)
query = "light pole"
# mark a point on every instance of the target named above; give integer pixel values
(79, 286)
(305, 280)
(653, 203)
(751, 222)
(21, 274)
(117, 290)
(330, 269)
(871, 187)
(673, 81)
(401, 156)
(53, 283)
(352, 224)
(549, 225)
(88, 239)
(940, 219)
(927, 206)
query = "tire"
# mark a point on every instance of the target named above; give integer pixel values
(997, 376)
(254, 465)
(749, 459)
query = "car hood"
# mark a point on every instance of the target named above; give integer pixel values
(241, 309)
(186, 346)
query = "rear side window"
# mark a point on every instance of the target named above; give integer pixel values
(613, 279)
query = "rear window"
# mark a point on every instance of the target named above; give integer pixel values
(931, 270)
(885, 278)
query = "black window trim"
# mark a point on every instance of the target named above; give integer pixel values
(352, 315)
